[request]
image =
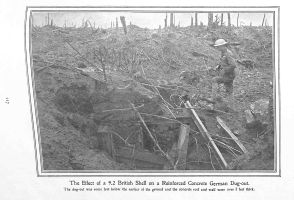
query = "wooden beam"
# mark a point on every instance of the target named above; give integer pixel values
(205, 134)
(150, 135)
(183, 146)
(229, 132)
(107, 140)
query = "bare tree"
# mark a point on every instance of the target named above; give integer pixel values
(165, 21)
(85, 24)
(48, 19)
(216, 21)
(210, 19)
(229, 19)
(263, 20)
(196, 19)
(171, 19)
(265, 23)
(174, 21)
(192, 23)
(116, 23)
(123, 22)
(238, 20)
(222, 19)
(64, 24)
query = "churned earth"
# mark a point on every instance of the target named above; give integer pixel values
(85, 80)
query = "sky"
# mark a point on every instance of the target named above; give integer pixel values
(143, 20)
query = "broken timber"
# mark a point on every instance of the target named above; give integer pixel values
(183, 146)
(229, 132)
(107, 140)
(205, 134)
(151, 136)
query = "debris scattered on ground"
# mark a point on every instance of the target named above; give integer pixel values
(137, 99)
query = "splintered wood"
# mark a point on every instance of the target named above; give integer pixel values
(229, 132)
(183, 146)
(107, 140)
(176, 158)
(151, 136)
(205, 134)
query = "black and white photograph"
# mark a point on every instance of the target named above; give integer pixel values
(154, 90)
(146, 100)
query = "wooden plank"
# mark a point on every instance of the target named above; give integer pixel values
(145, 156)
(183, 146)
(229, 132)
(205, 134)
(107, 140)
(108, 143)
